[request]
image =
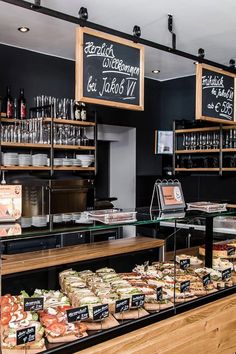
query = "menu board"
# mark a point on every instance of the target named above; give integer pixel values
(109, 70)
(215, 98)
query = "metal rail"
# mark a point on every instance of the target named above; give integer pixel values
(72, 19)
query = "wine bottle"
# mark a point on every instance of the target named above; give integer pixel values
(21, 105)
(9, 104)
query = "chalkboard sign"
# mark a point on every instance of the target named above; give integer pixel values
(184, 263)
(122, 305)
(215, 98)
(33, 304)
(24, 336)
(77, 314)
(109, 70)
(100, 312)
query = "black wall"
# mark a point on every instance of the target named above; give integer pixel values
(164, 102)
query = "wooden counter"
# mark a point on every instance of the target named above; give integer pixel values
(208, 329)
(47, 258)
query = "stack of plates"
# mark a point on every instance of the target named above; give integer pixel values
(86, 160)
(76, 162)
(57, 161)
(39, 160)
(26, 222)
(57, 218)
(10, 159)
(67, 162)
(39, 221)
(25, 160)
(66, 217)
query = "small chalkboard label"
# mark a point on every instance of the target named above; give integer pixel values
(206, 279)
(137, 300)
(33, 304)
(230, 251)
(226, 273)
(122, 305)
(26, 335)
(159, 293)
(100, 312)
(184, 263)
(184, 286)
(77, 314)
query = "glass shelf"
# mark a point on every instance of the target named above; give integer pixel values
(10, 231)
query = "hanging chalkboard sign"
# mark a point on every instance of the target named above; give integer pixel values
(215, 98)
(109, 70)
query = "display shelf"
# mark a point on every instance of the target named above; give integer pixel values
(12, 264)
(25, 145)
(197, 151)
(229, 169)
(73, 147)
(229, 150)
(69, 121)
(10, 120)
(195, 130)
(25, 168)
(73, 168)
(197, 169)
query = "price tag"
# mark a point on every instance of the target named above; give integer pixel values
(184, 286)
(33, 304)
(206, 279)
(226, 273)
(25, 335)
(184, 263)
(230, 251)
(122, 305)
(100, 312)
(159, 293)
(137, 300)
(77, 314)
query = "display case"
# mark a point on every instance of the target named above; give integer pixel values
(62, 293)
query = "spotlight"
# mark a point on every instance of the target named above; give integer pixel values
(201, 53)
(156, 71)
(136, 31)
(83, 13)
(232, 63)
(23, 29)
(36, 5)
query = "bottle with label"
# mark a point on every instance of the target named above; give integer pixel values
(21, 105)
(83, 112)
(77, 113)
(15, 109)
(9, 103)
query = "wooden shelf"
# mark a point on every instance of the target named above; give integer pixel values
(73, 168)
(229, 150)
(46, 168)
(187, 152)
(23, 262)
(194, 130)
(209, 169)
(229, 169)
(84, 123)
(56, 120)
(73, 147)
(26, 168)
(229, 127)
(26, 145)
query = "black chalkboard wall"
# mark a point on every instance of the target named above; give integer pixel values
(111, 68)
(215, 94)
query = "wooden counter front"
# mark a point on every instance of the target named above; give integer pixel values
(208, 329)
(47, 258)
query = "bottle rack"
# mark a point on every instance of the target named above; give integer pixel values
(221, 149)
(50, 148)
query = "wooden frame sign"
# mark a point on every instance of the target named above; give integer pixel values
(109, 70)
(215, 96)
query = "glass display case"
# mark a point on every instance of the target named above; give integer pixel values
(61, 293)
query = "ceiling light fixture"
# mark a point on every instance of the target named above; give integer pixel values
(23, 29)
(83, 13)
(156, 71)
